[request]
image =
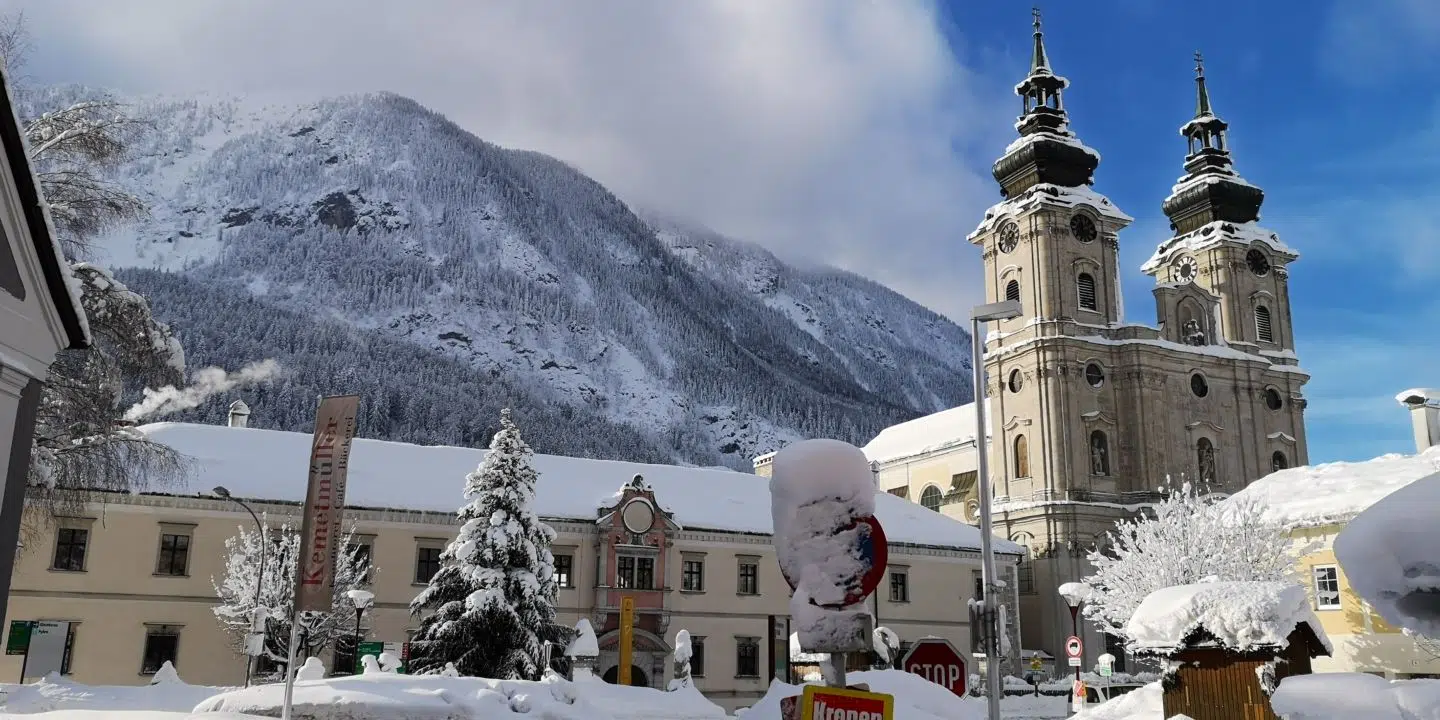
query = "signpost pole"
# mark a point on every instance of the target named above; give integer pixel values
(987, 553)
(627, 638)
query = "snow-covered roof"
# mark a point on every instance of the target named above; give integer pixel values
(1212, 234)
(930, 433)
(1330, 493)
(1237, 615)
(1419, 396)
(270, 465)
(1388, 553)
(1055, 195)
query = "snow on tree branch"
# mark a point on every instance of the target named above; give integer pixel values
(281, 548)
(1184, 539)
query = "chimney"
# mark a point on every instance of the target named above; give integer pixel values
(239, 414)
(1424, 407)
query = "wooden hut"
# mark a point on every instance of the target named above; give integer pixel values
(1227, 645)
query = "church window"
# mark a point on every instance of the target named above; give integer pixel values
(1022, 457)
(1085, 283)
(1264, 329)
(1012, 290)
(930, 498)
(1205, 460)
(1099, 453)
(1278, 461)
(1199, 386)
(1273, 399)
(1017, 381)
(1094, 375)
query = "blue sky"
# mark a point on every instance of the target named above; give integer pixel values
(861, 133)
(1321, 117)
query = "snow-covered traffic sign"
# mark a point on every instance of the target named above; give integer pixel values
(827, 541)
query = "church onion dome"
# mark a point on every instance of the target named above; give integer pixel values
(1210, 191)
(1047, 152)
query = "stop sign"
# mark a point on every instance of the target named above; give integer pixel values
(936, 660)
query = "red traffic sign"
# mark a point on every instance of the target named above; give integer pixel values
(832, 703)
(876, 551)
(936, 660)
(1073, 647)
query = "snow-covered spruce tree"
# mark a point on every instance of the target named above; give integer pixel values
(1186, 538)
(492, 605)
(80, 443)
(281, 548)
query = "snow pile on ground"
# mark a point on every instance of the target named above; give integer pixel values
(915, 697)
(1240, 615)
(1143, 703)
(55, 692)
(1333, 492)
(1391, 556)
(1346, 696)
(432, 697)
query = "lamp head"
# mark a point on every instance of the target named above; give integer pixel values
(221, 492)
(1003, 310)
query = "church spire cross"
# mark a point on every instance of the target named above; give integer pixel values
(1038, 62)
(1202, 95)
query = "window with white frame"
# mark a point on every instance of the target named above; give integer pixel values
(1327, 587)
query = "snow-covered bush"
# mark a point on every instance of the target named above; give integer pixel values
(682, 660)
(492, 605)
(281, 549)
(1184, 539)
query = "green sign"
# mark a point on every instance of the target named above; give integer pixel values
(1105, 671)
(18, 643)
(368, 648)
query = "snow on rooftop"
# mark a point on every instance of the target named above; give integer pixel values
(925, 434)
(1212, 234)
(1313, 495)
(1419, 396)
(1239, 615)
(1388, 554)
(271, 465)
(1053, 194)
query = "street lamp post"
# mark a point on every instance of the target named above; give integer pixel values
(1004, 310)
(224, 494)
(361, 599)
(1075, 595)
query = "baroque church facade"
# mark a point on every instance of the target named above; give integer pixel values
(1089, 414)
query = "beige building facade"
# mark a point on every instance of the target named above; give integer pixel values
(1089, 413)
(691, 546)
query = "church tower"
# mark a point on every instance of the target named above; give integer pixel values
(1218, 247)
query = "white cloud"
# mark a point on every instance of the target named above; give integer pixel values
(1371, 42)
(822, 129)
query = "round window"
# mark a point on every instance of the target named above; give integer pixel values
(1017, 381)
(1094, 375)
(1273, 399)
(1199, 386)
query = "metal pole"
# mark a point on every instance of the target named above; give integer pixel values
(987, 552)
(356, 669)
(259, 579)
(290, 665)
(1075, 630)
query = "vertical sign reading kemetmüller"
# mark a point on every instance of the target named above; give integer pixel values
(325, 501)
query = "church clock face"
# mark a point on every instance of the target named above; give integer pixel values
(1258, 263)
(1083, 228)
(1009, 237)
(1186, 269)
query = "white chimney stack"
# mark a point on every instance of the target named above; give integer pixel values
(1424, 407)
(239, 414)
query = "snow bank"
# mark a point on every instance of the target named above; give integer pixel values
(1143, 703)
(915, 697)
(1313, 495)
(1240, 615)
(55, 692)
(259, 464)
(433, 697)
(1347, 696)
(1391, 556)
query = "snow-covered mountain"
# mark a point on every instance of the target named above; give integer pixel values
(373, 246)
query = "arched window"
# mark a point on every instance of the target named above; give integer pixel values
(1022, 457)
(930, 498)
(1012, 290)
(1278, 461)
(1085, 284)
(1205, 460)
(1099, 453)
(1264, 329)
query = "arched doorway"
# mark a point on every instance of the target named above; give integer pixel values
(637, 676)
